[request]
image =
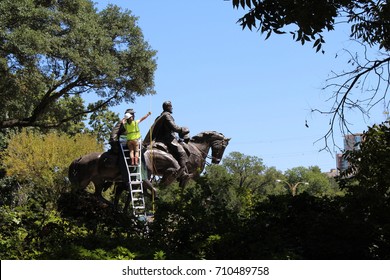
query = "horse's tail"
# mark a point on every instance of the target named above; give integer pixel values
(73, 173)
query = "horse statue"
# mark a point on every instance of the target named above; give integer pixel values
(102, 169)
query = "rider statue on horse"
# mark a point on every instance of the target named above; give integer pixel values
(163, 130)
(165, 157)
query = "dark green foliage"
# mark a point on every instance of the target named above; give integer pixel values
(301, 227)
(208, 219)
(8, 191)
(370, 164)
(370, 19)
(187, 227)
(282, 227)
(368, 182)
(88, 231)
(200, 222)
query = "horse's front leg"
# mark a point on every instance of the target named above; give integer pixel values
(169, 176)
(101, 186)
(148, 185)
(119, 188)
(183, 180)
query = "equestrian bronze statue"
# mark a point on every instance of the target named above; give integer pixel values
(102, 169)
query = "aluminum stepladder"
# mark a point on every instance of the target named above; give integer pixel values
(136, 190)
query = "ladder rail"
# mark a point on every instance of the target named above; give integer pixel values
(134, 173)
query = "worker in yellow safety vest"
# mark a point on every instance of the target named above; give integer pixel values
(133, 134)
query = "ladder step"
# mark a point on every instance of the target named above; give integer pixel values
(137, 191)
(136, 182)
(137, 194)
(139, 206)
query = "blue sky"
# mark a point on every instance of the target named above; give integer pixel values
(220, 77)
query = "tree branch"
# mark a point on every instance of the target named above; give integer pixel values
(342, 96)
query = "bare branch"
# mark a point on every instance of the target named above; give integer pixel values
(358, 78)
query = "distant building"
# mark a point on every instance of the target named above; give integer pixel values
(332, 173)
(351, 142)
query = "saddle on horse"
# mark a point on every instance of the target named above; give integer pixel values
(163, 147)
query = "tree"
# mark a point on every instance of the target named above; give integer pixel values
(367, 182)
(369, 165)
(223, 191)
(245, 168)
(271, 185)
(247, 172)
(251, 180)
(101, 123)
(55, 53)
(313, 17)
(312, 181)
(39, 163)
(309, 20)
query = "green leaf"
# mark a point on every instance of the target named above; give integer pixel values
(318, 48)
(268, 34)
(278, 31)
